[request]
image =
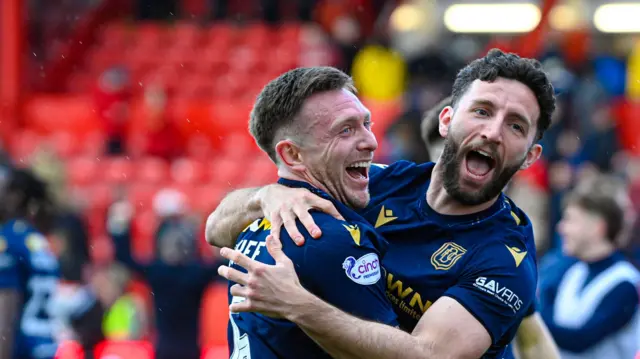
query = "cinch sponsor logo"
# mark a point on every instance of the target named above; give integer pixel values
(364, 270)
(502, 293)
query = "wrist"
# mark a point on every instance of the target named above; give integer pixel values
(302, 307)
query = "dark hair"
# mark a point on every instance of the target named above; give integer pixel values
(431, 120)
(602, 196)
(510, 66)
(281, 100)
(27, 190)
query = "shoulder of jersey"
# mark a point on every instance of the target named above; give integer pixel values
(330, 226)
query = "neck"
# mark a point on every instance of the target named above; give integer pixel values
(302, 177)
(440, 201)
(597, 251)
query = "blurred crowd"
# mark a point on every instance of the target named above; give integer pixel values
(584, 140)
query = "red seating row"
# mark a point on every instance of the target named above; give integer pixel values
(189, 34)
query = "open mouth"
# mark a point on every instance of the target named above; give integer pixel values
(479, 163)
(359, 170)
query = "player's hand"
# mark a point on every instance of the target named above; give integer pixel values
(272, 290)
(282, 205)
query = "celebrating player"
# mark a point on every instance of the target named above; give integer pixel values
(533, 339)
(312, 125)
(28, 270)
(461, 269)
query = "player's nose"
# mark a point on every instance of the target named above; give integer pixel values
(492, 131)
(368, 142)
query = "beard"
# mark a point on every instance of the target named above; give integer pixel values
(452, 159)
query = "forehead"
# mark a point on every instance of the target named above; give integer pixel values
(510, 95)
(324, 109)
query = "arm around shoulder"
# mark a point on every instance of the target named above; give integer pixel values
(233, 214)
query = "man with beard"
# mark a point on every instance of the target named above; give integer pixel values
(458, 246)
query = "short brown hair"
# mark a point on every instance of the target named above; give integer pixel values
(604, 196)
(431, 120)
(281, 100)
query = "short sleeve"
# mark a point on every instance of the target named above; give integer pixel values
(9, 271)
(497, 288)
(342, 272)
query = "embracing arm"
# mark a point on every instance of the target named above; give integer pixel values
(534, 340)
(233, 214)
(276, 290)
(281, 205)
(345, 336)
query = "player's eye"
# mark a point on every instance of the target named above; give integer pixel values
(368, 124)
(518, 127)
(481, 112)
(346, 131)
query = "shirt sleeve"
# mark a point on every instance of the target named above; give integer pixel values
(9, 270)
(496, 289)
(343, 273)
(615, 311)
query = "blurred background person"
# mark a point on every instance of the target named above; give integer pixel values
(177, 276)
(28, 269)
(590, 303)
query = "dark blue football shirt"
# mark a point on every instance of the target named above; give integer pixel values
(485, 261)
(28, 266)
(343, 269)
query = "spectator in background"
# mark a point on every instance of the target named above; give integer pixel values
(112, 98)
(177, 277)
(162, 136)
(590, 301)
(69, 233)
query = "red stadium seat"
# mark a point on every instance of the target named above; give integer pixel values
(124, 350)
(69, 350)
(187, 171)
(118, 169)
(114, 35)
(216, 352)
(225, 172)
(141, 196)
(93, 144)
(206, 198)
(152, 170)
(23, 145)
(102, 196)
(199, 147)
(64, 144)
(82, 171)
(238, 145)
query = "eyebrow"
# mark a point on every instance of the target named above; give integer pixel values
(341, 121)
(489, 103)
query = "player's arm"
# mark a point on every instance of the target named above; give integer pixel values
(533, 339)
(281, 205)
(615, 311)
(9, 305)
(10, 298)
(275, 289)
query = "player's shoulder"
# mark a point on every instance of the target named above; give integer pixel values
(352, 231)
(20, 234)
(398, 169)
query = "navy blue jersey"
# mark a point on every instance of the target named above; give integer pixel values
(485, 261)
(343, 269)
(28, 266)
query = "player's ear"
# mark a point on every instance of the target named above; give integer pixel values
(532, 156)
(289, 154)
(446, 115)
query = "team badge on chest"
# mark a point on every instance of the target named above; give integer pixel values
(447, 255)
